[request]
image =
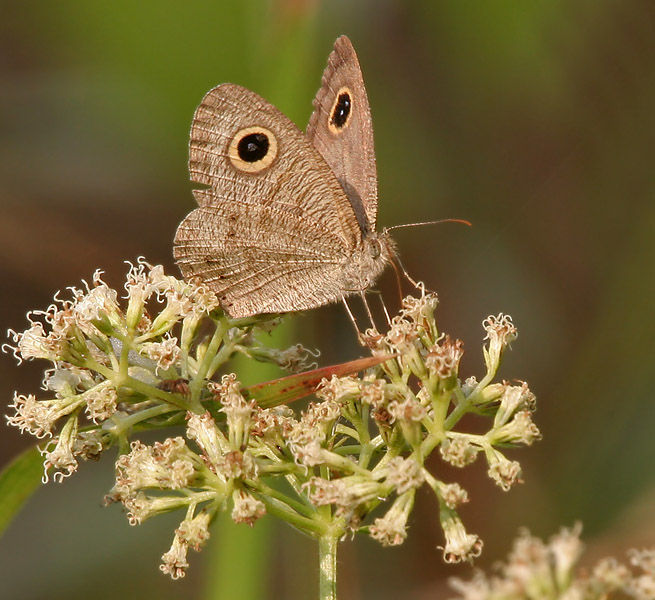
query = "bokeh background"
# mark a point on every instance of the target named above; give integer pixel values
(534, 120)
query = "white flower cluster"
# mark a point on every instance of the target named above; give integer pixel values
(120, 368)
(114, 367)
(536, 569)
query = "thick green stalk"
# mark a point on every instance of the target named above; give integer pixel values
(327, 556)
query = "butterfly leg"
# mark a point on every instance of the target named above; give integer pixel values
(368, 310)
(399, 283)
(378, 293)
(352, 317)
(384, 308)
(398, 264)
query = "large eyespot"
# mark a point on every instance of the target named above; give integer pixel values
(252, 149)
(341, 110)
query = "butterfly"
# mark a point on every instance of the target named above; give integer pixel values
(286, 219)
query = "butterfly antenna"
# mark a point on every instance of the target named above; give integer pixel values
(462, 221)
(396, 262)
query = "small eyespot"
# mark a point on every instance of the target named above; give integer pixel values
(341, 111)
(252, 149)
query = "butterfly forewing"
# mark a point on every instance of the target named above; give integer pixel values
(341, 130)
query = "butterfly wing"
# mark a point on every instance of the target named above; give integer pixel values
(274, 227)
(341, 130)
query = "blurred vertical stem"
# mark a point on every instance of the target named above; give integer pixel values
(327, 559)
(239, 566)
(241, 558)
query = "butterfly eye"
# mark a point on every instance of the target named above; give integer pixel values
(252, 149)
(341, 110)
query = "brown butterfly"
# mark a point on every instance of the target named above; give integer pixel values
(286, 221)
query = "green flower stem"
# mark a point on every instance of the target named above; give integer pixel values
(342, 463)
(392, 371)
(280, 468)
(430, 442)
(432, 482)
(143, 388)
(262, 488)
(123, 424)
(210, 353)
(349, 449)
(153, 392)
(458, 412)
(366, 454)
(488, 378)
(375, 444)
(282, 511)
(221, 356)
(327, 560)
(296, 486)
(189, 327)
(124, 362)
(345, 430)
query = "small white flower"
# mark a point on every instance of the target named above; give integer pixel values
(501, 332)
(642, 586)
(203, 430)
(165, 464)
(453, 494)
(237, 465)
(420, 310)
(194, 532)
(338, 390)
(101, 401)
(514, 397)
(97, 303)
(443, 358)
(373, 392)
(503, 471)
(391, 529)
(165, 353)
(141, 507)
(61, 457)
(174, 562)
(469, 385)
(35, 343)
(460, 546)
(346, 493)
(458, 451)
(310, 453)
(403, 474)
(408, 409)
(239, 412)
(247, 509)
(520, 430)
(566, 550)
(38, 417)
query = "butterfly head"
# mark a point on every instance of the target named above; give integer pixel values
(382, 246)
(366, 265)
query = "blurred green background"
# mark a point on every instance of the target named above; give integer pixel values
(534, 120)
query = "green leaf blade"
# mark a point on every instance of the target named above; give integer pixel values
(18, 481)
